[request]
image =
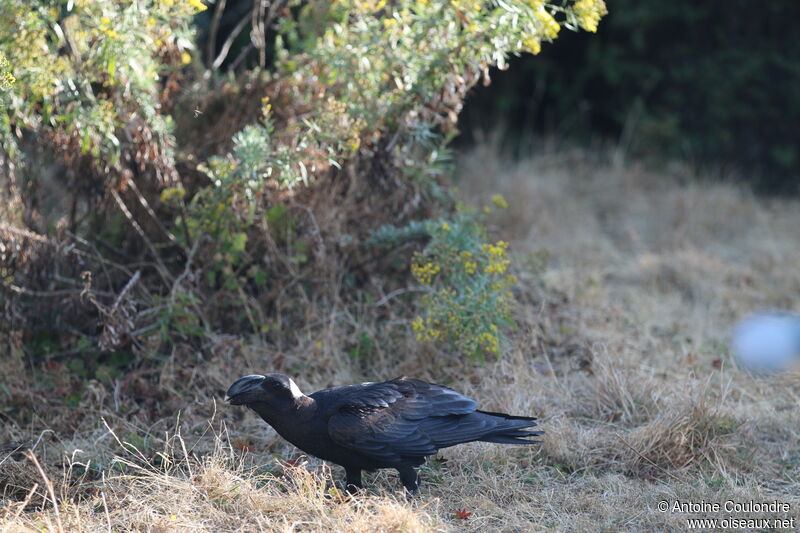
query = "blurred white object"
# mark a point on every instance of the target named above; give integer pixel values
(767, 343)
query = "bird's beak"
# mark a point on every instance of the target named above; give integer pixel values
(243, 385)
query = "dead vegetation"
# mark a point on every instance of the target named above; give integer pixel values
(629, 284)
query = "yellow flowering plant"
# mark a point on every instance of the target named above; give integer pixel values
(468, 299)
(100, 75)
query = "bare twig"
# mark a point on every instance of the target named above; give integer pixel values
(50, 489)
(146, 205)
(76, 283)
(12, 449)
(187, 268)
(162, 269)
(262, 57)
(243, 54)
(258, 33)
(212, 32)
(398, 292)
(103, 261)
(40, 294)
(317, 231)
(226, 46)
(128, 286)
(105, 506)
(258, 39)
(21, 507)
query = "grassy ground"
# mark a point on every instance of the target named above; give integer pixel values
(630, 282)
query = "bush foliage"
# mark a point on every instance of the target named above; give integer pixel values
(469, 297)
(163, 194)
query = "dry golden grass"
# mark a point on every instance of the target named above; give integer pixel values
(623, 356)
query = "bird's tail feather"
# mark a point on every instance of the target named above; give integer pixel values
(513, 429)
(510, 417)
(516, 437)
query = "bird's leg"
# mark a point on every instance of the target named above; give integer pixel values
(353, 480)
(409, 478)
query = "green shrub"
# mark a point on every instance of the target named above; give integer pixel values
(386, 78)
(355, 109)
(469, 300)
(467, 297)
(87, 72)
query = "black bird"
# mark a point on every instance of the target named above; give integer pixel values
(393, 424)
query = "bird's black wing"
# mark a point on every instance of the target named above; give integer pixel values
(382, 420)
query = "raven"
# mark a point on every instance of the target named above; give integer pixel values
(391, 424)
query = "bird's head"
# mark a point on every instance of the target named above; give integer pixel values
(273, 389)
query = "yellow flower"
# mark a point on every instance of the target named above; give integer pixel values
(496, 250)
(550, 27)
(186, 57)
(418, 324)
(498, 262)
(197, 5)
(445, 226)
(589, 13)
(425, 273)
(7, 79)
(499, 201)
(266, 106)
(532, 45)
(370, 5)
(489, 342)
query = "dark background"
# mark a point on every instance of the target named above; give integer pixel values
(715, 83)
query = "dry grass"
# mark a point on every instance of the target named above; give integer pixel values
(623, 356)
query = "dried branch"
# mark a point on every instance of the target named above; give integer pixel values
(398, 292)
(226, 46)
(42, 294)
(128, 286)
(50, 489)
(162, 269)
(212, 32)
(146, 205)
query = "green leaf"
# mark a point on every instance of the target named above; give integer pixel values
(239, 241)
(85, 142)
